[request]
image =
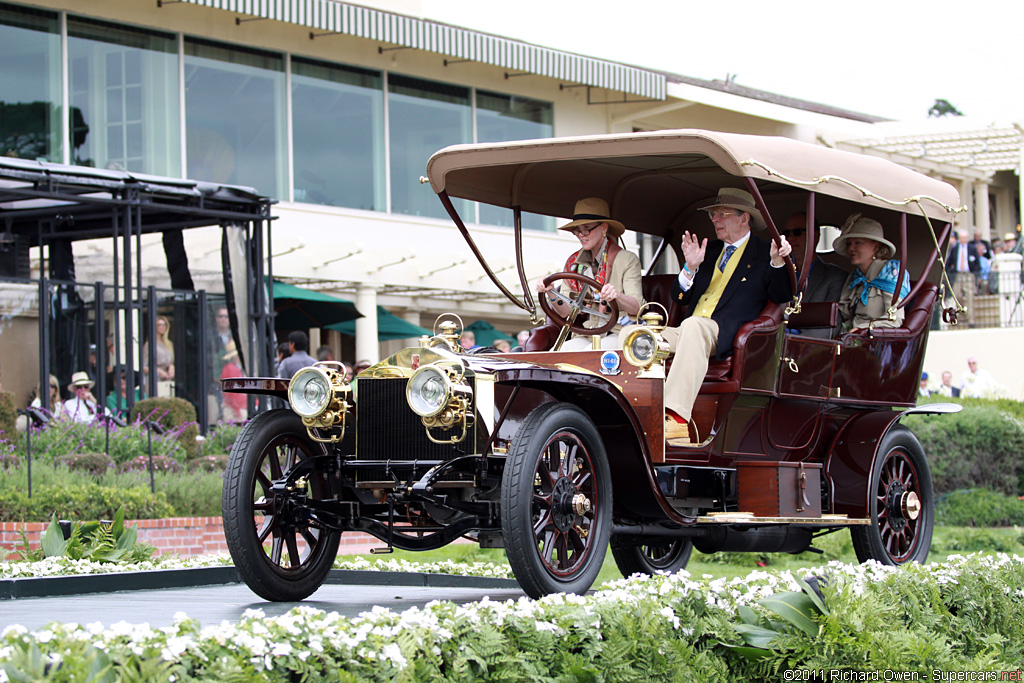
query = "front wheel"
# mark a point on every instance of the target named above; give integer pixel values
(556, 502)
(281, 554)
(901, 502)
(633, 558)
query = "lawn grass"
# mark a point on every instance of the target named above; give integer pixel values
(946, 541)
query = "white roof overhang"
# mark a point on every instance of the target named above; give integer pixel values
(331, 16)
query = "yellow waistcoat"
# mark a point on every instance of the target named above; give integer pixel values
(719, 279)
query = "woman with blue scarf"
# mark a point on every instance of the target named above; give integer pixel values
(868, 292)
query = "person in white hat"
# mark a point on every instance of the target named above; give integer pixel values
(601, 258)
(722, 296)
(869, 289)
(83, 407)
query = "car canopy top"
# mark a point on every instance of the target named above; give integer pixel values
(654, 179)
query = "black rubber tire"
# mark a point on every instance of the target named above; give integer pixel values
(270, 445)
(550, 547)
(894, 538)
(651, 558)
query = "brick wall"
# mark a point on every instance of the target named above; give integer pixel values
(183, 536)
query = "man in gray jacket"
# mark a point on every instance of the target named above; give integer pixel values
(825, 281)
(298, 344)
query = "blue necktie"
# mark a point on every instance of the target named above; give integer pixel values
(725, 257)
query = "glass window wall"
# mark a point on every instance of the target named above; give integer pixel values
(235, 116)
(424, 116)
(30, 88)
(338, 135)
(124, 97)
(500, 118)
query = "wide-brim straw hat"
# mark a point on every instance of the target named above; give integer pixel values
(80, 379)
(864, 228)
(594, 210)
(1009, 236)
(731, 198)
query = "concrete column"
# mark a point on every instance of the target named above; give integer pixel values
(981, 210)
(367, 346)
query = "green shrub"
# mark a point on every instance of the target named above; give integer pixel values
(89, 463)
(221, 438)
(968, 540)
(197, 494)
(208, 463)
(141, 463)
(176, 415)
(979, 447)
(108, 542)
(81, 501)
(8, 417)
(979, 507)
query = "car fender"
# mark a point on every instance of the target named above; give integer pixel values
(852, 454)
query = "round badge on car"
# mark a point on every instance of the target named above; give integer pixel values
(610, 363)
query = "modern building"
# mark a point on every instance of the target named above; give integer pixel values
(332, 109)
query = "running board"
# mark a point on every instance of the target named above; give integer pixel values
(751, 518)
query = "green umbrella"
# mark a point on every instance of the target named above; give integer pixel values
(487, 333)
(298, 308)
(389, 326)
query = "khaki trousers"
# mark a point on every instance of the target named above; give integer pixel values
(964, 285)
(698, 340)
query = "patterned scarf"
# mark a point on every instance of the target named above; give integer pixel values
(573, 265)
(886, 280)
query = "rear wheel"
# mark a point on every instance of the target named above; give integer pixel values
(653, 557)
(556, 502)
(280, 553)
(902, 506)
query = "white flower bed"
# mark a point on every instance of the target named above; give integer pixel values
(391, 641)
(62, 566)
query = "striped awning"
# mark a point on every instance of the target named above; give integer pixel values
(331, 16)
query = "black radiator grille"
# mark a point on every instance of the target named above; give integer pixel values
(388, 430)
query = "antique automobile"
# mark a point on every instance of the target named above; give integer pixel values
(556, 456)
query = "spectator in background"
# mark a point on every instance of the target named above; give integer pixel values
(1010, 242)
(502, 345)
(977, 383)
(282, 352)
(923, 389)
(468, 340)
(164, 351)
(985, 258)
(298, 346)
(522, 337)
(83, 407)
(946, 388)
(978, 242)
(117, 399)
(349, 374)
(324, 353)
(235, 404)
(360, 366)
(963, 268)
(56, 405)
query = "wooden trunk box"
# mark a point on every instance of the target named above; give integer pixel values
(779, 489)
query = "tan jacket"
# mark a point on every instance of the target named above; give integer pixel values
(624, 276)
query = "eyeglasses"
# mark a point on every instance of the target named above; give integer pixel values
(584, 230)
(722, 213)
(222, 315)
(796, 232)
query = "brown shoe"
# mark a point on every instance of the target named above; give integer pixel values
(676, 433)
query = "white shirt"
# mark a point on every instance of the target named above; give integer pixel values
(81, 411)
(977, 384)
(686, 277)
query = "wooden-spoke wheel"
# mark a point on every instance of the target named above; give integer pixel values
(281, 554)
(632, 558)
(556, 502)
(901, 502)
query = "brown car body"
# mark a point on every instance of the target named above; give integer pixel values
(557, 455)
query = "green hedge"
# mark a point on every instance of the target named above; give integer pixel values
(81, 501)
(175, 415)
(978, 507)
(8, 417)
(980, 447)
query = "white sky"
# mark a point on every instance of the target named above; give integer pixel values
(888, 58)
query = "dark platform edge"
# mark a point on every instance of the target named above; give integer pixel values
(51, 586)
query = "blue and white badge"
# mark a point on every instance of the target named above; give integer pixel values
(610, 363)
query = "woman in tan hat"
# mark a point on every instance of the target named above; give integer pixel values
(868, 292)
(601, 258)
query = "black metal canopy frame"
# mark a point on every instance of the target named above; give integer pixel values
(53, 205)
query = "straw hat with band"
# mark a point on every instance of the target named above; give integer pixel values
(864, 228)
(594, 210)
(1009, 236)
(80, 379)
(740, 200)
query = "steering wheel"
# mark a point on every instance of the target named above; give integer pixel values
(577, 305)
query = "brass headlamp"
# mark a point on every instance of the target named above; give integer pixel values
(644, 346)
(319, 395)
(440, 395)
